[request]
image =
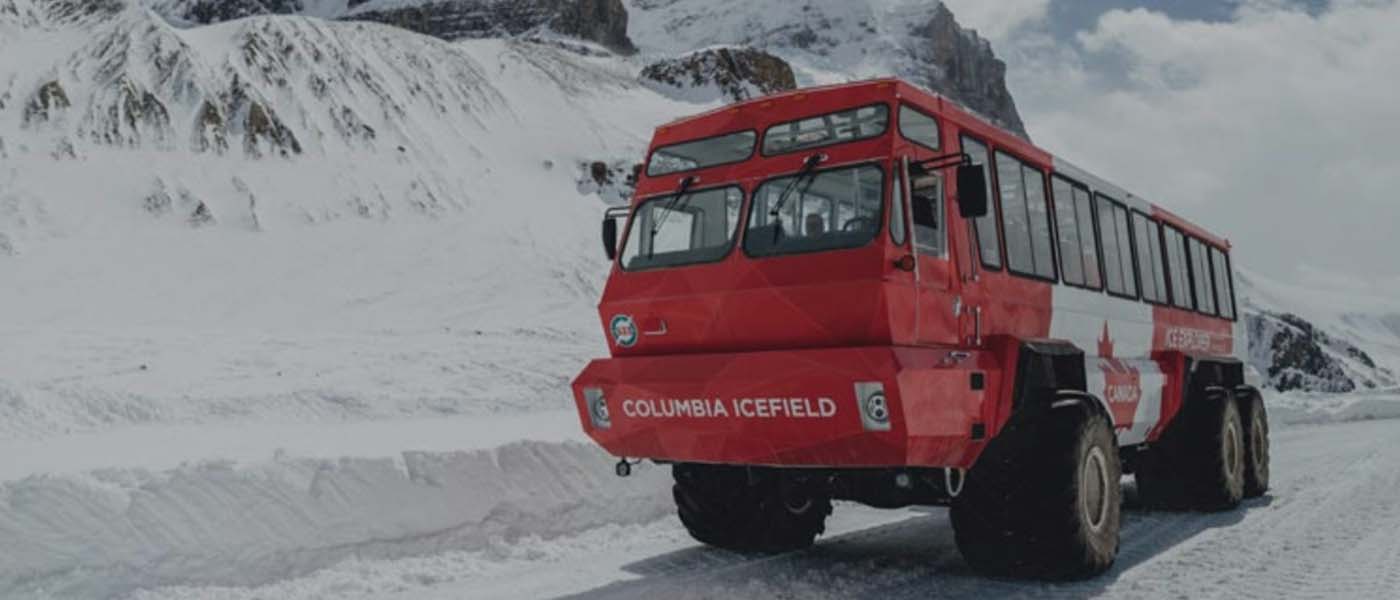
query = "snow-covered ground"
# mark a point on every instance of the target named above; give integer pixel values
(1325, 531)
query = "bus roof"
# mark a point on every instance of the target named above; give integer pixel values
(781, 107)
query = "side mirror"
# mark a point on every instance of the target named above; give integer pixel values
(611, 219)
(610, 238)
(972, 191)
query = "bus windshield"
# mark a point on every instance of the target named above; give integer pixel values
(670, 233)
(829, 210)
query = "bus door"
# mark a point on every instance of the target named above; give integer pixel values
(929, 214)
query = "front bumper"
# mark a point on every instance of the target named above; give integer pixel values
(843, 407)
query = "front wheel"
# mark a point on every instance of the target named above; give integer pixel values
(1044, 500)
(1256, 467)
(749, 510)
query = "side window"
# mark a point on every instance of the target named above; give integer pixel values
(1149, 258)
(1042, 242)
(1224, 283)
(926, 202)
(897, 232)
(988, 243)
(1125, 245)
(1177, 270)
(918, 127)
(1200, 272)
(1071, 258)
(1117, 253)
(1089, 242)
(1025, 218)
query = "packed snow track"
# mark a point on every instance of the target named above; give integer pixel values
(1326, 530)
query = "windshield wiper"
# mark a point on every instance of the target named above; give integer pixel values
(809, 167)
(682, 197)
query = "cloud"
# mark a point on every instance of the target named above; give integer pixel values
(1278, 129)
(997, 20)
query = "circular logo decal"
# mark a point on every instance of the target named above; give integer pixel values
(624, 331)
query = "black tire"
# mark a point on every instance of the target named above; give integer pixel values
(748, 510)
(1199, 464)
(1044, 500)
(1256, 465)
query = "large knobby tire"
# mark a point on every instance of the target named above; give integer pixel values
(748, 510)
(1044, 500)
(1199, 464)
(1256, 424)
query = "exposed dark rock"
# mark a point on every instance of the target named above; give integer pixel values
(263, 129)
(210, 129)
(46, 103)
(218, 11)
(1296, 355)
(600, 21)
(158, 202)
(69, 11)
(959, 64)
(739, 73)
(615, 182)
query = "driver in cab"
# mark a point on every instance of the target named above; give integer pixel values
(815, 226)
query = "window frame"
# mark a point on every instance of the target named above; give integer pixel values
(763, 139)
(936, 123)
(1132, 252)
(757, 141)
(993, 205)
(634, 218)
(1075, 185)
(746, 211)
(1161, 247)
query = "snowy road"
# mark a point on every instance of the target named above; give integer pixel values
(1327, 530)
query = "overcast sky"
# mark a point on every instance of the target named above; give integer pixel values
(1273, 122)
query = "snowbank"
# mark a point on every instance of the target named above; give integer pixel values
(111, 532)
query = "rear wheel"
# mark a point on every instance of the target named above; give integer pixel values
(1199, 464)
(1256, 419)
(1043, 501)
(749, 510)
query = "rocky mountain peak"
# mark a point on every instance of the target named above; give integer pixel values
(835, 40)
(961, 65)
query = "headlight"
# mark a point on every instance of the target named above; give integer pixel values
(874, 406)
(597, 408)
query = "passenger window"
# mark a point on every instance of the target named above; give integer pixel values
(1088, 240)
(1125, 247)
(1224, 283)
(1071, 258)
(1042, 242)
(1149, 257)
(988, 243)
(1025, 218)
(834, 128)
(1177, 269)
(926, 200)
(1201, 273)
(918, 128)
(1112, 266)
